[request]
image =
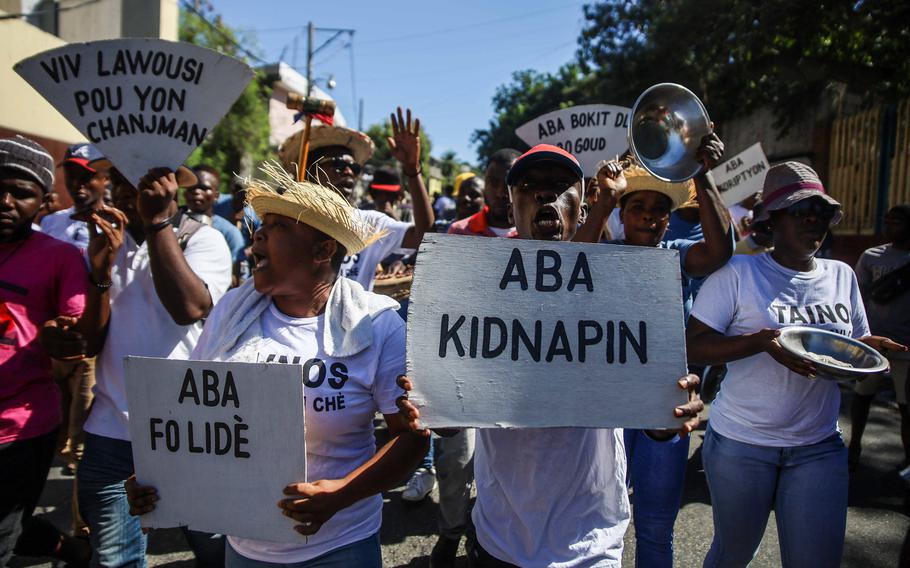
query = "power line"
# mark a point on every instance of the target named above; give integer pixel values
(222, 33)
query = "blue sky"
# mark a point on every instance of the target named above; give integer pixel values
(444, 59)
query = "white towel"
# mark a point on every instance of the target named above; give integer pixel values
(348, 328)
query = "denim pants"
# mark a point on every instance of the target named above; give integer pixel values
(805, 485)
(362, 554)
(657, 473)
(116, 537)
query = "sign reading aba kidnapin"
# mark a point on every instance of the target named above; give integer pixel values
(535, 334)
(143, 102)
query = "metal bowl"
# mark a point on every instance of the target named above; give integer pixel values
(809, 343)
(666, 127)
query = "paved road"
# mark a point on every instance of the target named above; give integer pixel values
(877, 523)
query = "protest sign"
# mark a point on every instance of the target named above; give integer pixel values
(551, 334)
(742, 175)
(589, 132)
(219, 441)
(143, 102)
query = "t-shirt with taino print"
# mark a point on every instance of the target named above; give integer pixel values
(761, 401)
(341, 396)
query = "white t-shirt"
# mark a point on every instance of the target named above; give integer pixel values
(361, 267)
(141, 326)
(614, 224)
(761, 401)
(60, 226)
(342, 396)
(502, 232)
(553, 497)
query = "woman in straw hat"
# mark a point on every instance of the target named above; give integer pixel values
(773, 440)
(296, 308)
(657, 467)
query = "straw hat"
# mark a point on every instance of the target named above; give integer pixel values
(360, 145)
(322, 208)
(639, 179)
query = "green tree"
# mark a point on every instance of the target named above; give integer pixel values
(241, 140)
(736, 55)
(529, 95)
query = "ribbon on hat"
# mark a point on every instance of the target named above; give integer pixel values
(324, 118)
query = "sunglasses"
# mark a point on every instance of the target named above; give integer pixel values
(339, 165)
(813, 208)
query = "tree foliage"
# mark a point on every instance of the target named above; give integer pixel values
(241, 140)
(736, 55)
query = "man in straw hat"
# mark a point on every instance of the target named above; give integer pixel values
(155, 275)
(298, 308)
(336, 158)
(531, 511)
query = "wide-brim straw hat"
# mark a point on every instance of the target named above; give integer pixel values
(639, 179)
(360, 145)
(322, 208)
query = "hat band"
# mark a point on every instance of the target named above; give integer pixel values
(384, 187)
(789, 188)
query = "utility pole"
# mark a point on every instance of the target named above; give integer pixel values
(311, 31)
(360, 117)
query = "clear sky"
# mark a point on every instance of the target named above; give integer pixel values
(442, 58)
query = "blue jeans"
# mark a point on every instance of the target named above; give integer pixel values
(362, 554)
(116, 537)
(657, 473)
(805, 485)
(428, 458)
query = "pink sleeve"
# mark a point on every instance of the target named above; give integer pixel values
(72, 282)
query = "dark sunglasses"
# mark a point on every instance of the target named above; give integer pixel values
(814, 208)
(339, 165)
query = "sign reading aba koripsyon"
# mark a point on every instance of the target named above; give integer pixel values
(742, 175)
(219, 441)
(551, 334)
(589, 132)
(143, 102)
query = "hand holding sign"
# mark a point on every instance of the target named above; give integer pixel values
(157, 190)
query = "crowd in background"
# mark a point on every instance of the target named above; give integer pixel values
(158, 267)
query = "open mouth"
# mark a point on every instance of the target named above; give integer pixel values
(547, 223)
(260, 262)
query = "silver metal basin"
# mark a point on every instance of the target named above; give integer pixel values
(816, 345)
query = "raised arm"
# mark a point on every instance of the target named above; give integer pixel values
(717, 247)
(182, 293)
(405, 147)
(611, 184)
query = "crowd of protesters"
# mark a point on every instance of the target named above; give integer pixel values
(271, 269)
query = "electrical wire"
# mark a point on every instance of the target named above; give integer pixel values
(222, 33)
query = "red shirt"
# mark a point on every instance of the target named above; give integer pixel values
(40, 279)
(477, 225)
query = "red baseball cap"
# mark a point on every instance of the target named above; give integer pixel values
(543, 153)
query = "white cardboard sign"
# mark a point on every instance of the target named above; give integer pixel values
(219, 441)
(143, 102)
(535, 334)
(742, 175)
(589, 132)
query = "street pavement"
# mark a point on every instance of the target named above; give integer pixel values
(878, 525)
